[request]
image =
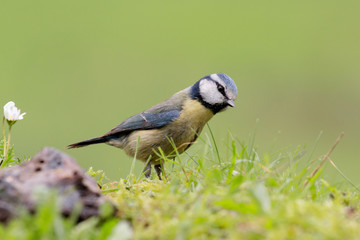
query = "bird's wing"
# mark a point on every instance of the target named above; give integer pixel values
(155, 117)
(144, 121)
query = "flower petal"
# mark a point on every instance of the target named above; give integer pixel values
(11, 112)
(22, 116)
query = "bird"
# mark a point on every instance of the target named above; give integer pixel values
(173, 123)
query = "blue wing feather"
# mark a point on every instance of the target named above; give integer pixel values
(145, 120)
(158, 120)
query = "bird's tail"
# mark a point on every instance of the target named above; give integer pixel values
(88, 142)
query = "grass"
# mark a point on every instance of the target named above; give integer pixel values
(206, 196)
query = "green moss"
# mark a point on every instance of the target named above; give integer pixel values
(243, 197)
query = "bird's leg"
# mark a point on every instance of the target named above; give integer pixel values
(147, 169)
(158, 170)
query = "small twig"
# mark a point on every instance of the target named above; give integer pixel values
(184, 144)
(187, 179)
(265, 168)
(324, 159)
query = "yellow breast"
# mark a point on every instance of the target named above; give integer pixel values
(194, 115)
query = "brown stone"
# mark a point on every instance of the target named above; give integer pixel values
(49, 170)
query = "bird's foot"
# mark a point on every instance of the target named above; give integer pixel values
(158, 170)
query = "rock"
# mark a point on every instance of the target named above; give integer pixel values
(49, 170)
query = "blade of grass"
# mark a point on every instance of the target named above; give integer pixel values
(143, 172)
(315, 146)
(215, 145)
(134, 158)
(232, 166)
(252, 139)
(178, 156)
(343, 175)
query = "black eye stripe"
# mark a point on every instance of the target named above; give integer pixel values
(221, 89)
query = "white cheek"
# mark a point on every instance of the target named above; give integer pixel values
(214, 98)
(209, 93)
(206, 87)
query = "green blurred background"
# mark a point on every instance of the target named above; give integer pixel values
(78, 68)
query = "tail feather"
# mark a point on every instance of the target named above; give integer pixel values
(88, 142)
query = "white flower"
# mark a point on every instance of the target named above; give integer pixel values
(11, 112)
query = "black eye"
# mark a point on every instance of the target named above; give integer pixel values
(221, 89)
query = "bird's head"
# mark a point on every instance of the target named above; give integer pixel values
(216, 92)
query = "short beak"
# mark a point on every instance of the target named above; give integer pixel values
(230, 103)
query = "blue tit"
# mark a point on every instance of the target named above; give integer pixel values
(176, 121)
